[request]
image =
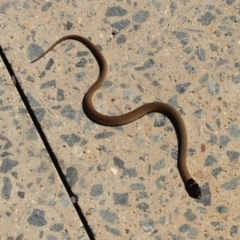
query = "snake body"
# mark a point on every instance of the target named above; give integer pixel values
(191, 185)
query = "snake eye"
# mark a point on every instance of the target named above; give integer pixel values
(193, 188)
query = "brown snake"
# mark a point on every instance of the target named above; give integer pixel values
(191, 185)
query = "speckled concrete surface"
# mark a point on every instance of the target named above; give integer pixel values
(34, 204)
(126, 179)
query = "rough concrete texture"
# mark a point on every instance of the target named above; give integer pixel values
(184, 53)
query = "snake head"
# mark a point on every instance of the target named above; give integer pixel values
(193, 188)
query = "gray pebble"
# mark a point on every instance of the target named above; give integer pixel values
(68, 25)
(10, 238)
(6, 108)
(129, 172)
(217, 171)
(51, 178)
(143, 206)
(184, 42)
(188, 50)
(107, 83)
(7, 144)
(184, 228)
(154, 43)
(192, 233)
(156, 138)
(137, 186)
(204, 78)
(82, 63)
(34, 51)
(180, 35)
(218, 123)
(160, 121)
(21, 194)
(113, 231)
(234, 230)
(7, 165)
(51, 237)
(191, 152)
(39, 113)
(213, 88)
(46, 6)
(120, 198)
(124, 85)
(42, 167)
(213, 139)
(120, 25)
(5, 7)
(223, 141)
(104, 135)
(182, 88)
(174, 154)
(57, 227)
(118, 162)
(96, 190)
(121, 39)
(217, 225)
(148, 225)
(210, 160)
(173, 7)
(23, 111)
(141, 16)
(155, 83)
(71, 139)
(207, 18)
(148, 64)
(60, 95)
(37, 218)
(213, 47)
(231, 185)
(234, 131)
(236, 65)
(49, 64)
(198, 113)
(236, 79)
(115, 11)
(32, 101)
(137, 99)
(161, 182)
(201, 54)
(190, 69)
(99, 95)
(48, 84)
(68, 112)
(108, 216)
(230, 2)
(82, 53)
(175, 237)
(222, 62)
(19, 237)
(221, 209)
(233, 156)
(80, 76)
(202, 210)
(142, 195)
(190, 216)
(159, 165)
(162, 220)
(71, 176)
(31, 134)
(7, 188)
